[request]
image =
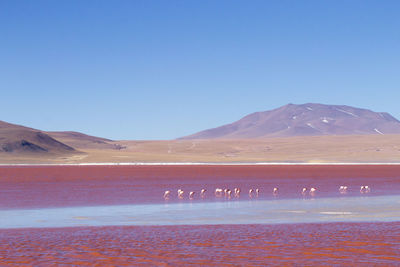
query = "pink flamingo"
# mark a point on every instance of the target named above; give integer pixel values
(167, 194)
(191, 195)
(312, 191)
(251, 192)
(365, 189)
(237, 192)
(180, 193)
(218, 192)
(304, 191)
(275, 191)
(229, 194)
(226, 192)
(203, 193)
(343, 189)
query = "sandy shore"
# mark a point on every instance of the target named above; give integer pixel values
(204, 164)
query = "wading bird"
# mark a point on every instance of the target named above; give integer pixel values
(203, 193)
(228, 194)
(251, 192)
(167, 194)
(237, 192)
(312, 191)
(180, 193)
(304, 191)
(365, 189)
(343, 189)
(275, 191)
(218, 192)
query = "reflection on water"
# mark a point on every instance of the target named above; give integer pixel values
(344, 209)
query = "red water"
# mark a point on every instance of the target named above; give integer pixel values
(60, 186)
(222, 245)
(341, 244)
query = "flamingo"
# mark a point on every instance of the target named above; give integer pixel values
(191, 195)
(343, 189)
(203, 193)
(226, 192)
(167, 194)
(366, 190)
(275, 191)
(180, 193)
(229, 194)
(218, 192)
(251, 192)
(237, 192)
(304, 191)
(257, 192)
(362, 189)
(312, 191)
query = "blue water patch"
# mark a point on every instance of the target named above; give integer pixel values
(344, 209)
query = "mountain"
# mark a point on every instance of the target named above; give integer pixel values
(305, 120)
(18, 139)
(84, 141)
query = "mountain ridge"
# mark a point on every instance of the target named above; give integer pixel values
(307, 119)
(20, 139)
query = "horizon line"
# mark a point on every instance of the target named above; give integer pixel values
(200, 163)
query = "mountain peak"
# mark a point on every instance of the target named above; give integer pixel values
(305, 119)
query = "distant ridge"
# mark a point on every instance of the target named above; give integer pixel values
(84, 141)
(78, 135)
(309, 119)
(19, 139)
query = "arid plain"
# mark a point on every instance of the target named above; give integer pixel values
(307, 149)
(310, 133)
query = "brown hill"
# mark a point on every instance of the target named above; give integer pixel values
(20, 139)
(305, 120)
(84, 141)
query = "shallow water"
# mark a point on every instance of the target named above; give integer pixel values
(343, 209)
(68, 186)
(119, 217)
(327, 244)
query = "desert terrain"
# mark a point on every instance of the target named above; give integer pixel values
(307, 149)
(306, 133)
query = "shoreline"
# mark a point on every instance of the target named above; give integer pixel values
(206, 164)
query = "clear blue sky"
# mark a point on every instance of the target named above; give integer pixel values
(164, 69)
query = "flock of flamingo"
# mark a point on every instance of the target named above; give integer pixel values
(227, 193)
